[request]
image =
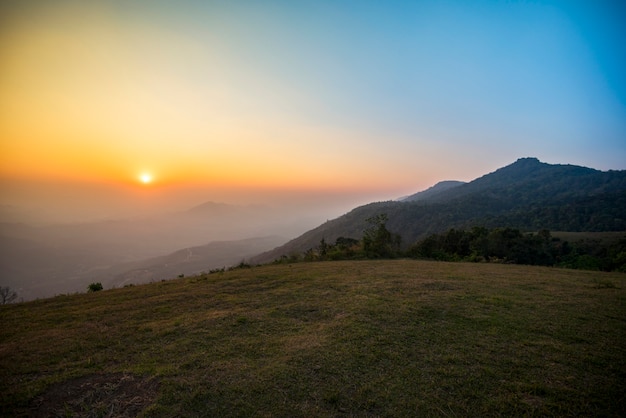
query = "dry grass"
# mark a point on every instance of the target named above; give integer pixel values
(354, 338)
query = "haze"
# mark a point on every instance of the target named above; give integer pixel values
(304, 109)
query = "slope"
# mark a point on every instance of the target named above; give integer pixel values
(433, 191)
(385, 338)
(528, 194)
(192, 260)
(47, 259)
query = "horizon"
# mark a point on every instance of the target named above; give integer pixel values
(110, 108)
(162, 200)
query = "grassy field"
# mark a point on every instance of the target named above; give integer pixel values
(355, 338)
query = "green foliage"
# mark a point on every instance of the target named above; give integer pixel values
(378, 241)
(95, 287)
(342, 249)
(527, 195)
(510, 245)
(345, 249)
(481, 244)
(242, 265)
(478, 244)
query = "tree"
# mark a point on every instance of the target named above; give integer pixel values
(7, 295)
(322, 249)
(346, 247)
(95, 287)
(377, 240)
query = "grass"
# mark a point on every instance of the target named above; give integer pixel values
(353, 338)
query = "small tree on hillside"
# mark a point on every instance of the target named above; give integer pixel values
(378, 241)
(95, 287)
(323, 249)
(7, 295)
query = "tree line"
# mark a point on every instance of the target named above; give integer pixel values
(477, 244)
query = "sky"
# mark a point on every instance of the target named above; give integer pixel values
(258, 101)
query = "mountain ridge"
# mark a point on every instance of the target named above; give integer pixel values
(433, 191)
(527, 194)
(187, 261)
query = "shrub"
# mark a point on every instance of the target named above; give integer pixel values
(95, 287)
(241, 265)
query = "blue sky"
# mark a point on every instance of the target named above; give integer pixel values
(473, 80)
(384, 97)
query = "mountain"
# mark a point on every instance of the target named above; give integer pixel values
(433, 191)
(217, 209)
(212, 208)
(41, 260)
(192, 260)
(528, 195)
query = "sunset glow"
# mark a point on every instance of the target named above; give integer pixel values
(358, 97)
(145, 178)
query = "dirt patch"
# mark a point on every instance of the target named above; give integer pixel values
(99, 395)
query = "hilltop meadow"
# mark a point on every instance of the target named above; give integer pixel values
(342, 338)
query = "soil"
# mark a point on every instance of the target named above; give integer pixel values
(98, 395)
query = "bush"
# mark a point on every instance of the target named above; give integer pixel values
(95, 287)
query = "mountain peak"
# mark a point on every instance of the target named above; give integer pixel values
(524, 165)
(527, 160)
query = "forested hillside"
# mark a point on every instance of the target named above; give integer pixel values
(528, 195)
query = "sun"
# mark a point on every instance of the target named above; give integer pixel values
(145, 178)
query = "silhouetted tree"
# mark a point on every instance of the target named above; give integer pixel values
(323, 249)
(7, 295)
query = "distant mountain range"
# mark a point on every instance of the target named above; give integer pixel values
(528, 195)
(40, 261)
(188, 261)
(44, 260)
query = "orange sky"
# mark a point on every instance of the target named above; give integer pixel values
(90, 96)
(377, 101)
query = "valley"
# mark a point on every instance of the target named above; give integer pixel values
(529, 195)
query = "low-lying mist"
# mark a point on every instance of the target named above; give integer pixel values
(60, 239)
